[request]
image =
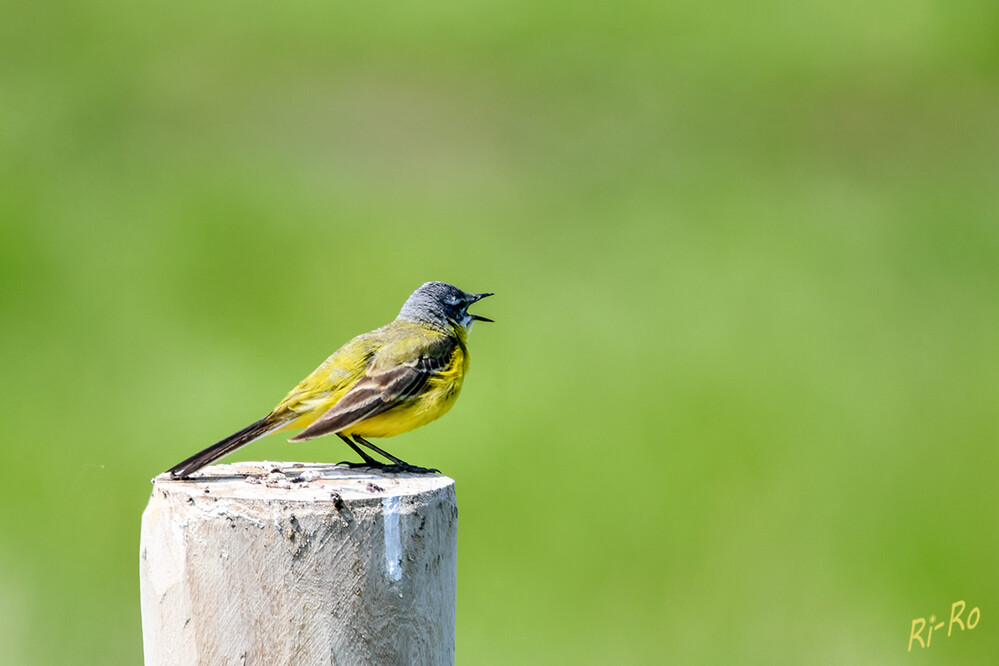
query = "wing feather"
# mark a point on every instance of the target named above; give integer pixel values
(382, 388)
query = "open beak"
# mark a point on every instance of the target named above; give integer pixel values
(479, 297)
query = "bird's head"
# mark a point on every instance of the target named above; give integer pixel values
(442, 306)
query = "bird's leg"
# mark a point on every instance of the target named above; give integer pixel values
(397, 463)
(368, 460)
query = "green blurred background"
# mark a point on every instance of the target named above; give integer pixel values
(739, 405)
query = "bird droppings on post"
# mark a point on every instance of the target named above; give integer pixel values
(277, 479)
(305, 477)
(393, 541)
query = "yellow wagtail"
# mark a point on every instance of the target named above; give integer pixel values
(386, 382)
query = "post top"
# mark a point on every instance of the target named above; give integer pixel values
(299, 482)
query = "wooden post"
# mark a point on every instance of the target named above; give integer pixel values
(309, 564)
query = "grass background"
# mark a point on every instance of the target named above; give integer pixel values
(739, 405)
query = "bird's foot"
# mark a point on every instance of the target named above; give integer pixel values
(355, 465)
(409, 469)
(391, 468)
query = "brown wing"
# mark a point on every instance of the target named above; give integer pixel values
(379, 390)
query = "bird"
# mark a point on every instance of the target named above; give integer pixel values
(379, 384)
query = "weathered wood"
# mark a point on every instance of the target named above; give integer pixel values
(315, 564)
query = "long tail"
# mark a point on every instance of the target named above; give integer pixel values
(250, 433)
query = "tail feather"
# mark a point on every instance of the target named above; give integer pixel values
(224, 447)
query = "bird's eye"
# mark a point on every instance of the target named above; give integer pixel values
(453, 300)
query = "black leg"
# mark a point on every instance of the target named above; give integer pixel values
(397, 463)
(368, 460)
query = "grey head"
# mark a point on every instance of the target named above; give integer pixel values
(442, 306)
